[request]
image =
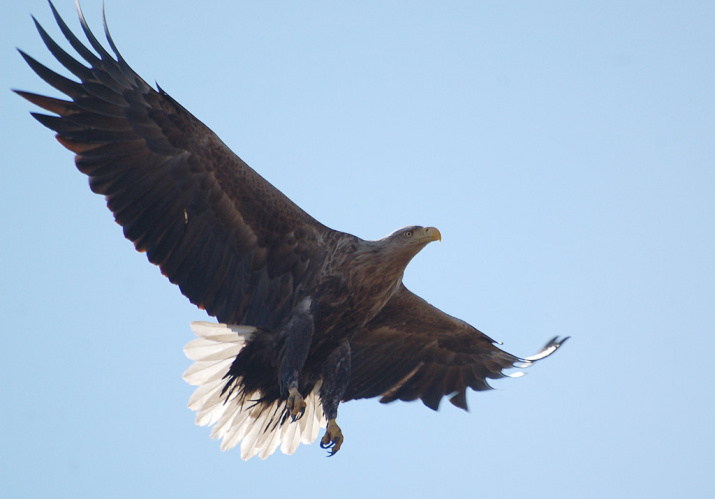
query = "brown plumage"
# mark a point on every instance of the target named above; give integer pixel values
(328, 313)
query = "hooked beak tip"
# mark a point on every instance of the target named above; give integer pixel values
(434, 234)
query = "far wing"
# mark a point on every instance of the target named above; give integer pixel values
(412, 350)
(235, 244)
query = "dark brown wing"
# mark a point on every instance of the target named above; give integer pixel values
(412, 350)
(235, 244)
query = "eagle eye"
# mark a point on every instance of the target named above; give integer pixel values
(408, 234)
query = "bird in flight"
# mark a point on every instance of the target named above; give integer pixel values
(308, 317)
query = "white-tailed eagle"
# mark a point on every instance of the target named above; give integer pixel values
(307, 316)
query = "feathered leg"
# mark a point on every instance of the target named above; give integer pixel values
(295, 339)
(336, 374)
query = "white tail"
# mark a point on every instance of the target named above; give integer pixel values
(236, 417)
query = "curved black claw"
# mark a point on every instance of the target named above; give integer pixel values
(296, 405)
(332, 439)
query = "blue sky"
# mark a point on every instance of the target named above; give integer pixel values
(565, 151)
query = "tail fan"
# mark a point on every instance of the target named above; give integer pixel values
(235, 415)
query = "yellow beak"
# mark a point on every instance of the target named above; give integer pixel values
(432, 234)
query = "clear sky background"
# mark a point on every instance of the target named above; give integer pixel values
(565, 150)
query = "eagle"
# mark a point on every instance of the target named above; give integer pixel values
(307, 316)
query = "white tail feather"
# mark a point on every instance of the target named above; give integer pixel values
(236, 417)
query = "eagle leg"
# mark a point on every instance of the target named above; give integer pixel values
(295, 403)
(336, 375)
(295, 339)
(333, 438)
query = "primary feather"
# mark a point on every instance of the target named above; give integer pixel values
(309, 316)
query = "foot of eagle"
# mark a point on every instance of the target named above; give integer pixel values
(333, 438)
(296, 404)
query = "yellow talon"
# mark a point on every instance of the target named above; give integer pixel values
(295, 403)
(333, 438)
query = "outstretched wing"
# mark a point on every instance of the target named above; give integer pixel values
(235, 244)
(412, 350)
